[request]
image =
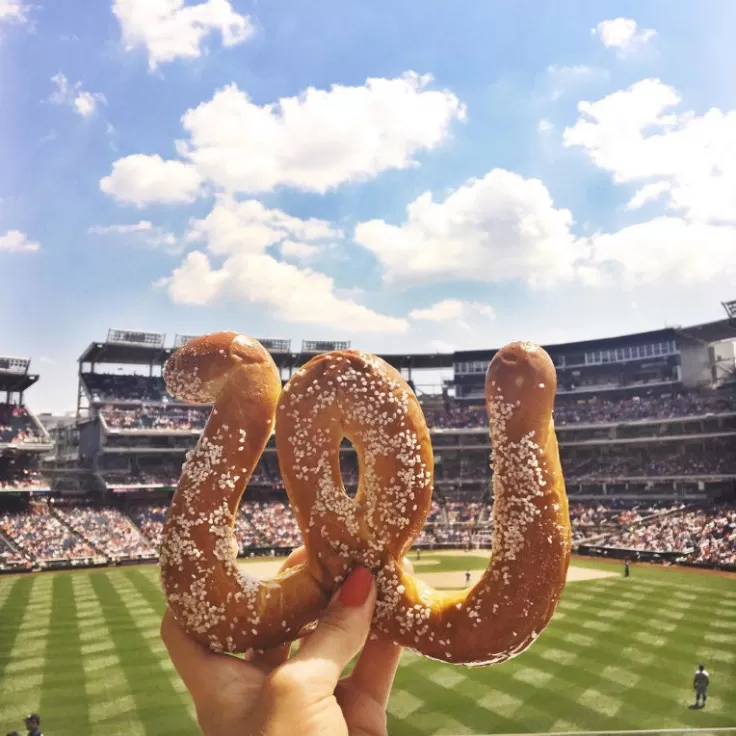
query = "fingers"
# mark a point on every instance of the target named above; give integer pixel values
(341, 633)
(376, 667)
(375, 670)
(191, 660)
(297, 556)
(272, 658)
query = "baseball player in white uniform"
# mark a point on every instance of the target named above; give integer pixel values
(700, 683)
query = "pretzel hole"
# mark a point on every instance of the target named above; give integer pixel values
(349, 468)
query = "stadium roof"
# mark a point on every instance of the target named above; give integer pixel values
(107, 352)
(724, 329)
(16, 381)
(14, 374)
(422, 361)
(138, 354)
(707, 332)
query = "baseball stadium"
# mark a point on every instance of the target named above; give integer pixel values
(646, 425)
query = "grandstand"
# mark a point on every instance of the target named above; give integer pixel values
(646, 424)
(22, 437)
(23, 440)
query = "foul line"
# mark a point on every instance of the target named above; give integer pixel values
(602, 733)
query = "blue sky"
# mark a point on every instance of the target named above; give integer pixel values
(422, 176)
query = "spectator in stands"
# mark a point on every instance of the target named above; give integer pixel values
(17, 426)
(108, 530)
(159, 417)
(43, 536)
(601, 410)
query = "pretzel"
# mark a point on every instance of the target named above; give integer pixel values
(359, 396)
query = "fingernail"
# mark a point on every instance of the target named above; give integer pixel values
(356, 588)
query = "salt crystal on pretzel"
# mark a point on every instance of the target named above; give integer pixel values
(359, 396)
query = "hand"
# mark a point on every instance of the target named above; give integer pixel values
(270, 694)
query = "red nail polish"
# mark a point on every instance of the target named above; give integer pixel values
(356, 588)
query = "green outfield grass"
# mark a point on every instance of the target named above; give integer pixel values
(82, 649)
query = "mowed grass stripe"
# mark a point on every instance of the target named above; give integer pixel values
(555, 702)
(159, 707)
(684, 632)
(663, 647)
(641, 619)
(612, 649)
(659, 669)
(599, 680)
(439, 702)
(148, 589)
(690, 581)
(110, 699)
(590, 684)
(11, 616)
(63, 694)
(20, 676)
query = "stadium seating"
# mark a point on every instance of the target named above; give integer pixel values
(601, 410)
(41, 532)
(169, 418)
(11, 559)
(108, 530)
(17, 426)
(102, 387)
(43, 537)
(701, 535)
(18, 473)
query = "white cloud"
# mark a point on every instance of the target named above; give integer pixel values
(668, 250)
(320, 139)
(241, 233)
(169, 30)
(492, 229)
(685, 159)
(299, 251)
(623, 34)
(544, 126)
(194, 282)
(144, 231)
(247, 226)
(13, 11)
(453, 310)
(314, 142)
(82, 101)
(144, 226)
(634, 135)
(140, 179)
(648, 193)
(14, 241)
(504, 227)
(292, 294)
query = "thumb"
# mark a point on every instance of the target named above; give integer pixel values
(341, 633)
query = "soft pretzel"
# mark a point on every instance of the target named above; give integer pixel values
(358, 396)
